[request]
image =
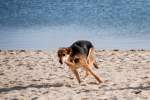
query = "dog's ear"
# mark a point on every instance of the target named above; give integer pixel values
(69, 50)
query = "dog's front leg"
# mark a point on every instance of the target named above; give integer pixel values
(77, 75)
(73, 68)
(69, 63)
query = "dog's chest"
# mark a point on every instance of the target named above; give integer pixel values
(76, 62)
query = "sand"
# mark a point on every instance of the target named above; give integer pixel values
(37, 75)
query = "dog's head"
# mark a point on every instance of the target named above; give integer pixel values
(63, 54)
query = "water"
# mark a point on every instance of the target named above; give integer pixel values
(50, 24)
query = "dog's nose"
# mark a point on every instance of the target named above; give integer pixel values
(60, 62)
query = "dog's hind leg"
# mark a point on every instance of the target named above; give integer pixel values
(96, 77)
(91, 58)
(91, 55)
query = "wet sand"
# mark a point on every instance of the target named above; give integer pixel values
(37, 75)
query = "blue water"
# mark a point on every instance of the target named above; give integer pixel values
(50, 24)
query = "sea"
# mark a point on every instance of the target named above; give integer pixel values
(51, 24)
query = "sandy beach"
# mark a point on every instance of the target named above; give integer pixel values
(37, 75)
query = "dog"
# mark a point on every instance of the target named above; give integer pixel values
(80, 54)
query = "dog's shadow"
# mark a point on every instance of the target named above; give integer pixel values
(30, 86)
(60, 85)
(132, 88)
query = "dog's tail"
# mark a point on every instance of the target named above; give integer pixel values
(95, 65)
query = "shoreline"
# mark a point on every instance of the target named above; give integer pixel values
(53, 50)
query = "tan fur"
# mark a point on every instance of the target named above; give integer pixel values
(80, 61)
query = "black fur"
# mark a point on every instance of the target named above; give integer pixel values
(81, 47)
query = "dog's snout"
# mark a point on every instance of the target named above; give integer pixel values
(60, 61)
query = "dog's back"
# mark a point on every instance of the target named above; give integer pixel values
(81, 47)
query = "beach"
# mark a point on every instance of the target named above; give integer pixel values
(37, 75)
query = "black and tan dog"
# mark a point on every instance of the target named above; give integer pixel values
(79, 54)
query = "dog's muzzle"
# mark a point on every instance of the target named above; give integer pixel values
(63, 59)
(60, 61)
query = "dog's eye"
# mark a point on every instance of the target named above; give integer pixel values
(63, 54)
